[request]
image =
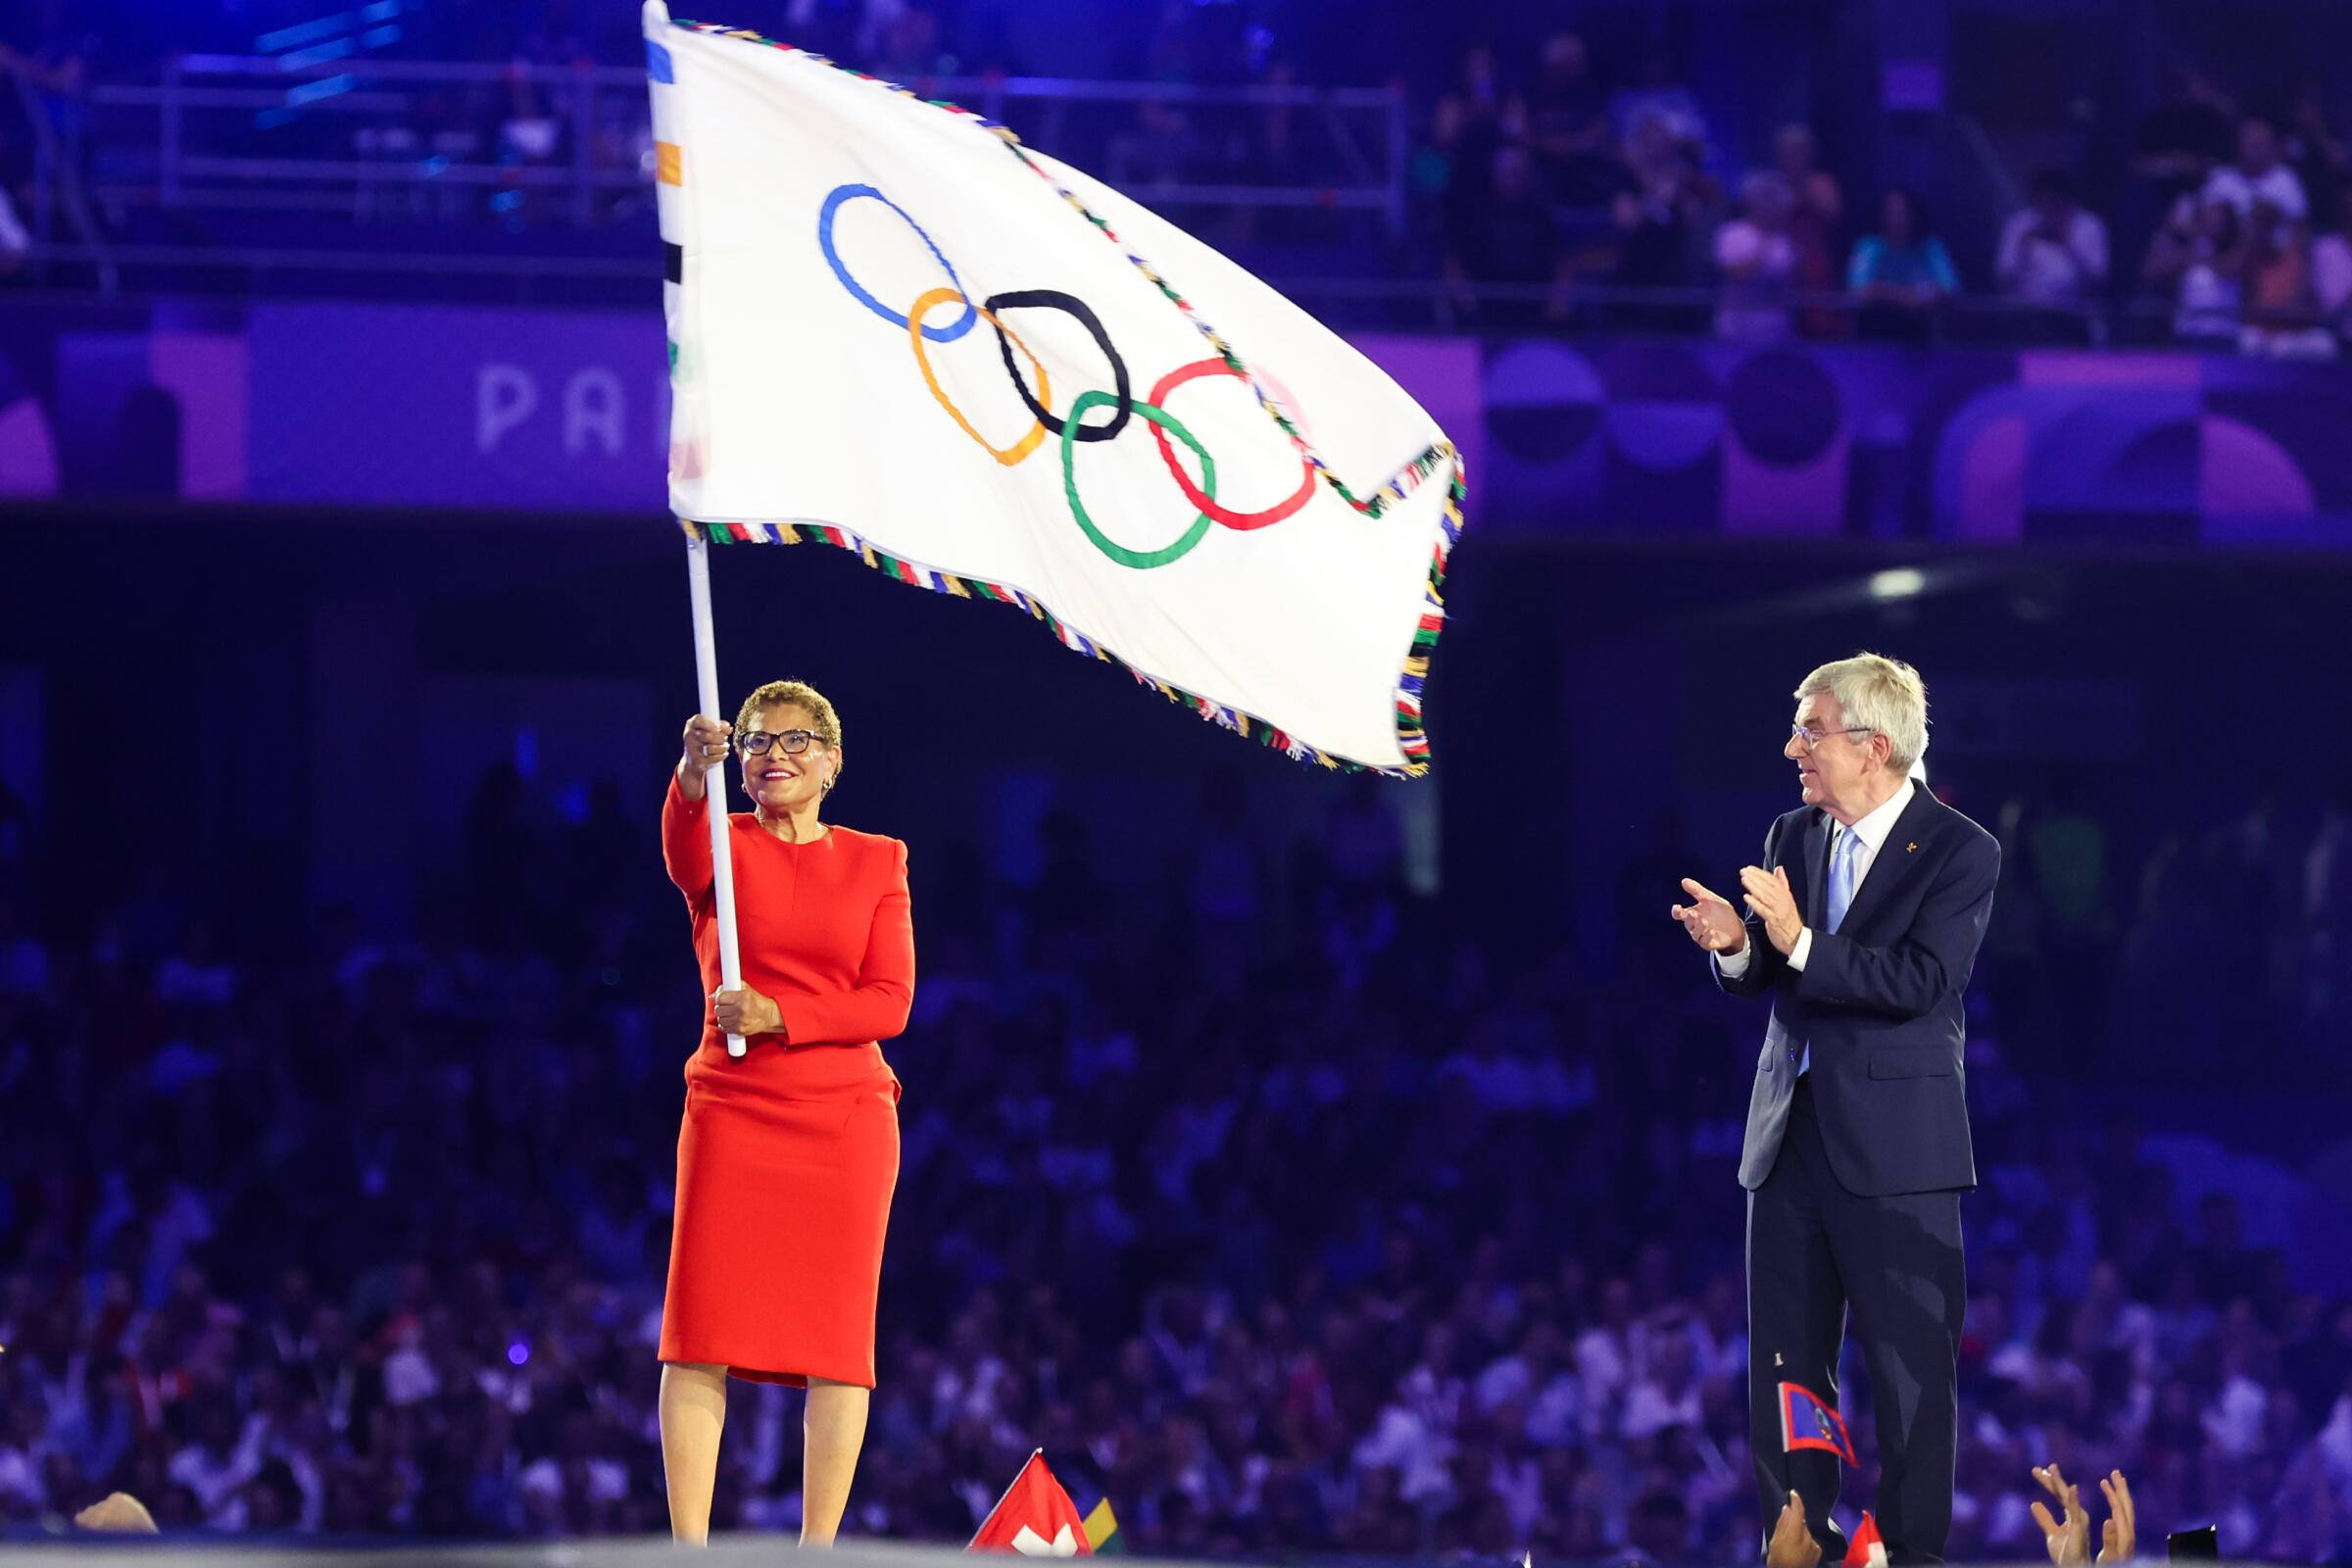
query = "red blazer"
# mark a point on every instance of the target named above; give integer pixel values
(826, 931)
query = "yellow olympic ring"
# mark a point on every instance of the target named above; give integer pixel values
(1008, 456)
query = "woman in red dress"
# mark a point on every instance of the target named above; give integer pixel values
(788, 1156)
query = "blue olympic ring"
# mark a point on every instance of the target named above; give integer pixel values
(841, 196)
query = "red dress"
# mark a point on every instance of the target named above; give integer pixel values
(788, 1158)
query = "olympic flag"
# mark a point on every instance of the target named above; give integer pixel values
(895, 330)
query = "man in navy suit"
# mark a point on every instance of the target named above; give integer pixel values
(1861, 923)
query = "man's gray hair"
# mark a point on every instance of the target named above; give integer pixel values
(1880, 694)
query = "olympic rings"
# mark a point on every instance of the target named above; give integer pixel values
(1243, 520)
(1141, 560)
(1008, 456)
(842, 195)
(1054, 299)
(1071, 428)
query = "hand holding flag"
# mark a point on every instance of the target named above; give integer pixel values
(1793, 1543)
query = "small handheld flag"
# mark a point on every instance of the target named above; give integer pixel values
(1035, 1518)
(1806, 1422)
(1867, 1548)
(1102, 1530)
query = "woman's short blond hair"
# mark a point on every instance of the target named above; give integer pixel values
(1880, 694)
(823, 721)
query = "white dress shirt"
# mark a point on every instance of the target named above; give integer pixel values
(2278, 184)
(2035, 269)
(1869, 833)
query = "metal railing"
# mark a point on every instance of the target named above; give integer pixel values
(1405, 304)
(386, 140)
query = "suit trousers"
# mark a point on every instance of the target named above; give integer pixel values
(1813, 1249)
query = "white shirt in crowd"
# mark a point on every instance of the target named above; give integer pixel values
(1757, 263)
(2279, 186)
(2040, 270)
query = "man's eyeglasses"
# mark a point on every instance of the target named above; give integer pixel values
(1814, 737)
(757, 741)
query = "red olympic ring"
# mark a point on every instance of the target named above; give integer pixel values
(1193, 493)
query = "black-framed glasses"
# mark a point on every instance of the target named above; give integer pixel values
(1814, 737)
(757, 741)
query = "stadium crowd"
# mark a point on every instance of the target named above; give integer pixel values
(1272, 1211)
(1570, 183)
(1556, 178)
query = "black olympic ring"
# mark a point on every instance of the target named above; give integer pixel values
(1054, 299)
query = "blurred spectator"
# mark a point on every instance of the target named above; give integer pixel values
(1664, 205)
(1902, 272)
(1816, 214)
(1510, 239)
(1470, 119)
(1658, 95)
(1568, 127)
(2053, 256)
(1758, 261)
(2258, 176)
(2281, 307)
(2200, 257)
(2331, 269)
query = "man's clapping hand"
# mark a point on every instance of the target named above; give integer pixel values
(1775, 903)
(1711, 921)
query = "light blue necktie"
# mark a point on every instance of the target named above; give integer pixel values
(1841, 898)
(1841, 876)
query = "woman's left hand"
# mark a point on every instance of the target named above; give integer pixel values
(746, 1012)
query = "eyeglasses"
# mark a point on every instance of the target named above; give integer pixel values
(757, 741)
(1814, 737)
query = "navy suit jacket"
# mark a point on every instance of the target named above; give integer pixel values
(1879, 1001)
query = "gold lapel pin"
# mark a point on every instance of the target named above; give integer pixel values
(1910, 849)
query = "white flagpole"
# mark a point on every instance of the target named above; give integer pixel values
(715, 782)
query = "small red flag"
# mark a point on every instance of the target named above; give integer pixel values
(1034, 1517)
(1866, 1550)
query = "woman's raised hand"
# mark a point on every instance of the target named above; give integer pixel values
(706, 744)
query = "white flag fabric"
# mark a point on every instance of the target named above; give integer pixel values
(895, 329)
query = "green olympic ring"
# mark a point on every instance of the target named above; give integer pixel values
(1141, 560)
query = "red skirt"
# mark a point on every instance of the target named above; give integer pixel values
(775, 1253)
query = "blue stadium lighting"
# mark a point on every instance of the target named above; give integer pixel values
(309, 92)
(336, 37)
(303, 32)
(317, 54)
